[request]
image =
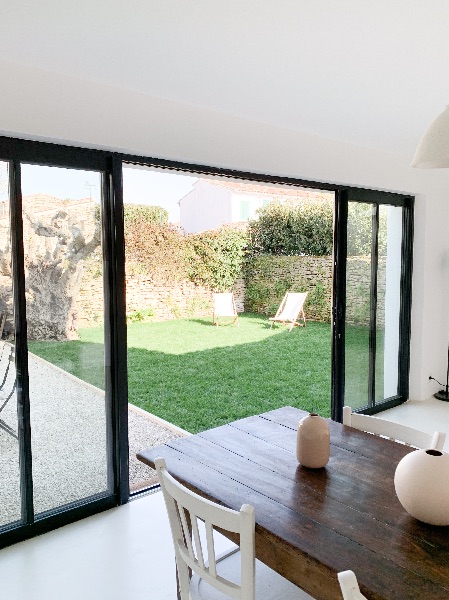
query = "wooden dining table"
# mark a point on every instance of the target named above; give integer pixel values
(313, 523)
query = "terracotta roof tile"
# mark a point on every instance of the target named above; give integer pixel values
(295, 193)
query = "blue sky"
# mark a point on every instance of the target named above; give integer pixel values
(140, 186)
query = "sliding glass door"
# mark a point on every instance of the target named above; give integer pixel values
(63, 335)
(10, 492)
(69, 413)
(371, 300)
(61, 421)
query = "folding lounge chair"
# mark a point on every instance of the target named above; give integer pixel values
(291, 310)
(224, 306)
(6, 392)
(2, 323)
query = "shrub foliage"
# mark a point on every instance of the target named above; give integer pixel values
(142, 212)
(307, 230)
(360, 227)
(217, 257)
(287, 230)
(161, 251)
(211, 258)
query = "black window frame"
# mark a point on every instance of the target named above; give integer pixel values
(376, 198)
(16, 151)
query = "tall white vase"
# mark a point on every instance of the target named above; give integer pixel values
(421, 482)
(313, 442)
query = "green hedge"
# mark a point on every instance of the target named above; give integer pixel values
(211, 258)
(306, 229)
(149, 214)
(217, 257)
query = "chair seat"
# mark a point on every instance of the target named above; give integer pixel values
(269, 584)
(291, 310)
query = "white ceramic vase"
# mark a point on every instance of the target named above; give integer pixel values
(313, 442)
(421, 482)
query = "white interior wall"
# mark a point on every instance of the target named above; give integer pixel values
(392, 299)
(41, 105)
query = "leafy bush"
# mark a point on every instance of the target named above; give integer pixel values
(306, 229)
(360, 227)
(218, 257)
(142, 212)
(211, 258)
(138, 316)
(257, 298)
(159, 250)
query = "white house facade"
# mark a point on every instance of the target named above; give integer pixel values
(213, 202)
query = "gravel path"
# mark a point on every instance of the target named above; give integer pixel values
(68, 441)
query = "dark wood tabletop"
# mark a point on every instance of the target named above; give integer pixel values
(311, 524)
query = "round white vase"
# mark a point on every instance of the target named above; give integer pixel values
(421, 482)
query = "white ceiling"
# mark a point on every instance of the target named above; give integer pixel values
(372, 73)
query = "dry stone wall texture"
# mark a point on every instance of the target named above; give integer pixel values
(186, 299)
(167, 301)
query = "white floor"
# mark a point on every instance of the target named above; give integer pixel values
(126, 552)
(429, 416)
(120, 554)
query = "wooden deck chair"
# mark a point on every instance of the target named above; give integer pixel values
(224, 306)
(393, 431)
(291, 310)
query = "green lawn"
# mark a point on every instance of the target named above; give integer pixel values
(198, 376)
(357, 366)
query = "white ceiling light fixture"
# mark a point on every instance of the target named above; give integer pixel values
(433, 149)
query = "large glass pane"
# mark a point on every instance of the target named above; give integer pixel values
(154, 293)
(358, 286)
(388, 301)
(372, 347)
(64, 304)
(10, 504)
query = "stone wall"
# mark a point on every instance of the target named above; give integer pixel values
(166, 300)
(185, 299)
(358, 278)
(268, 277)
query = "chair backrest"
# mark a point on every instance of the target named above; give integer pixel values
(291, 305)
(224, 304)
(395, 431)
(349, 586)
(184, 509)
(10, 358)
(2, 323)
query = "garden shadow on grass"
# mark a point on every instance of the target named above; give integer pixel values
(199, 377)
(203, 389)
(209, 387)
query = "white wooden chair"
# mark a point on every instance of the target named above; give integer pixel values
(224, 306)
(291, 310)
(394, 431)
(235, 574)
(349, 586)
